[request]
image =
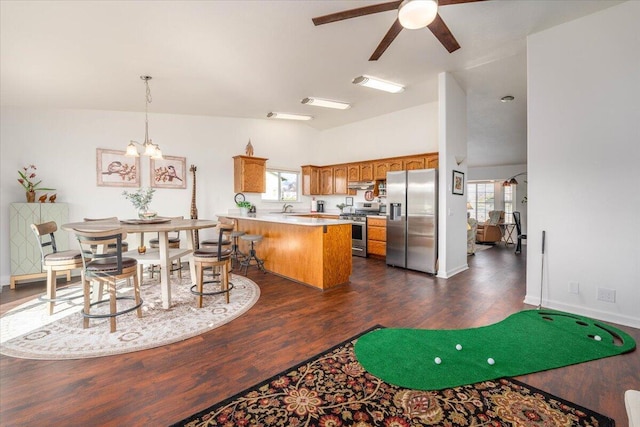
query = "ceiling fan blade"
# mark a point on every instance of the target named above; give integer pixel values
(354, 13)
(448, 2)
(387, 40)
(443, 34)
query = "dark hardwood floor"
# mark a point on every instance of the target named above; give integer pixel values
(289, 324)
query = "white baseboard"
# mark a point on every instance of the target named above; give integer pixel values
(605, 316)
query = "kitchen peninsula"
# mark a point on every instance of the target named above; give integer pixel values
(312, 251)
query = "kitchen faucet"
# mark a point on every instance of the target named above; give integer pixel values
(286, 208)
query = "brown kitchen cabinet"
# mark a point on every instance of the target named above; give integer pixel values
(326, 180)
(377, 236)
(366, 171)
(339, 180)
(310, 180)
(380, 168)
(353, 172)
(249, 174)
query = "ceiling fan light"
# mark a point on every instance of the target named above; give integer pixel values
(374, 83)
(415, 14)
(327, 103)
(288, 116)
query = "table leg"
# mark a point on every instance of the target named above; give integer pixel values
(192, 246)
(165, 286)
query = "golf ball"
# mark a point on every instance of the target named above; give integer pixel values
(490, 361)
(458, 347)
(597, 338)
(437, 360)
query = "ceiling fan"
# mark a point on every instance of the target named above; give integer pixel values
(412, 14)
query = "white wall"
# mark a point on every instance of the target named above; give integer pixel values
(405, 132)
(410, 131)
(584, 157)
(452, 217)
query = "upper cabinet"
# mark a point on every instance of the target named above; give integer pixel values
(340, 179)
(249, 174)
(310, 180)
(366, 171)
(381, 167)
(334, 179)
(353, 172)
(326, 180)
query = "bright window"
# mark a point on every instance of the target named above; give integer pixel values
(509, 204)
(481, 196)
(282, 186)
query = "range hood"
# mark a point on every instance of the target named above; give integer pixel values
(361, 185)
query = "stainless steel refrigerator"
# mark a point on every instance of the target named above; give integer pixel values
(412, 219)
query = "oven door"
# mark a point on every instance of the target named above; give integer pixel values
(359, 238)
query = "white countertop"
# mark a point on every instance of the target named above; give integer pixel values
(293, 218)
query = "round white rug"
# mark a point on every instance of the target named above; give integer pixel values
(28, 332)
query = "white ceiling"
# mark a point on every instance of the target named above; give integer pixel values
(246, 58)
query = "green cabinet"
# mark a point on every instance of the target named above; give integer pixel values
(24, 248)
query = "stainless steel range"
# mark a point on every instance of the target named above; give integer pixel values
(359, 226)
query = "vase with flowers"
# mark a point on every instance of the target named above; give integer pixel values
(141, 199)
(28, 181)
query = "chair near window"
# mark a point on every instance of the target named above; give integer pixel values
(54, 261)
(517, 220)
(489, 231)
(109, 267)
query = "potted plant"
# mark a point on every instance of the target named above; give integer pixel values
(141, 199)
(27, 175)
(244, 207)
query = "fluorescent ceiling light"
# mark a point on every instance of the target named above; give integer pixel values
(415, 14)
(318, 102)
(374, 83)
(287, 116)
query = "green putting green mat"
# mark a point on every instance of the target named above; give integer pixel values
(525, 342)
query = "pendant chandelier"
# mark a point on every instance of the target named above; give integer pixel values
(150, 149)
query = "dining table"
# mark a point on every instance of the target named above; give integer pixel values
(163, 255)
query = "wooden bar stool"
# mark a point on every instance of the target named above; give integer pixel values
(246, 262)
(108, 267)
(236, 254)
(219, 260)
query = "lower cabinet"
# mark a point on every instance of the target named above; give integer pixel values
(377, 236)
(26, 261)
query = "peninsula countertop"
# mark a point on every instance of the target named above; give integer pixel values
(293, 218)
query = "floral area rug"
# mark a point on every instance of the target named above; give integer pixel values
(29, 332)
(333, 389)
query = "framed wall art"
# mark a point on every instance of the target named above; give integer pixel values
(458, 183)
(169, 172)
(114, 169)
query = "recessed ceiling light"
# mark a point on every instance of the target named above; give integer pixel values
(379, 84)
(319, 102)
(507, 98)
(288, 116)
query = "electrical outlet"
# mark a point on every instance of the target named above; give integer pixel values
(606, 295)
(574, 287)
